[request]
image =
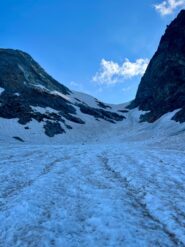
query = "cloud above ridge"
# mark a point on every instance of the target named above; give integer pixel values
(111, 72)
(167, 7)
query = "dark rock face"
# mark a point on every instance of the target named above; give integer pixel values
(19, 71)
(101, 114)
(102, 105)
(162, 88)
(18, 138)
(53, 128)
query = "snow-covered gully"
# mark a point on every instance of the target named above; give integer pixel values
(91, 195)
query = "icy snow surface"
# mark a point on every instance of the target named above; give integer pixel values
(131, 194)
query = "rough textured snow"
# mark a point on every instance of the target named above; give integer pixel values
(131, 194)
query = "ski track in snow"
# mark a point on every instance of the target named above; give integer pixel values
(91, 195)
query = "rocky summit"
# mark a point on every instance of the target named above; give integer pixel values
(162, 88)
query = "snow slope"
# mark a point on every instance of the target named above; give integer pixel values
(93, 131)
(92, 195)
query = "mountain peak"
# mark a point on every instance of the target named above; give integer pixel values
(162, 88)
(19, 70)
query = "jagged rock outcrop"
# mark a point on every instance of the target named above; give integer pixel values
(162, 88)
(19, 71)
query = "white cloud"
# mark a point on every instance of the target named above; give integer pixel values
(169, 6)
(112, 73)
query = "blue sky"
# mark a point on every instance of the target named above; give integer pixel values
(84, 43)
